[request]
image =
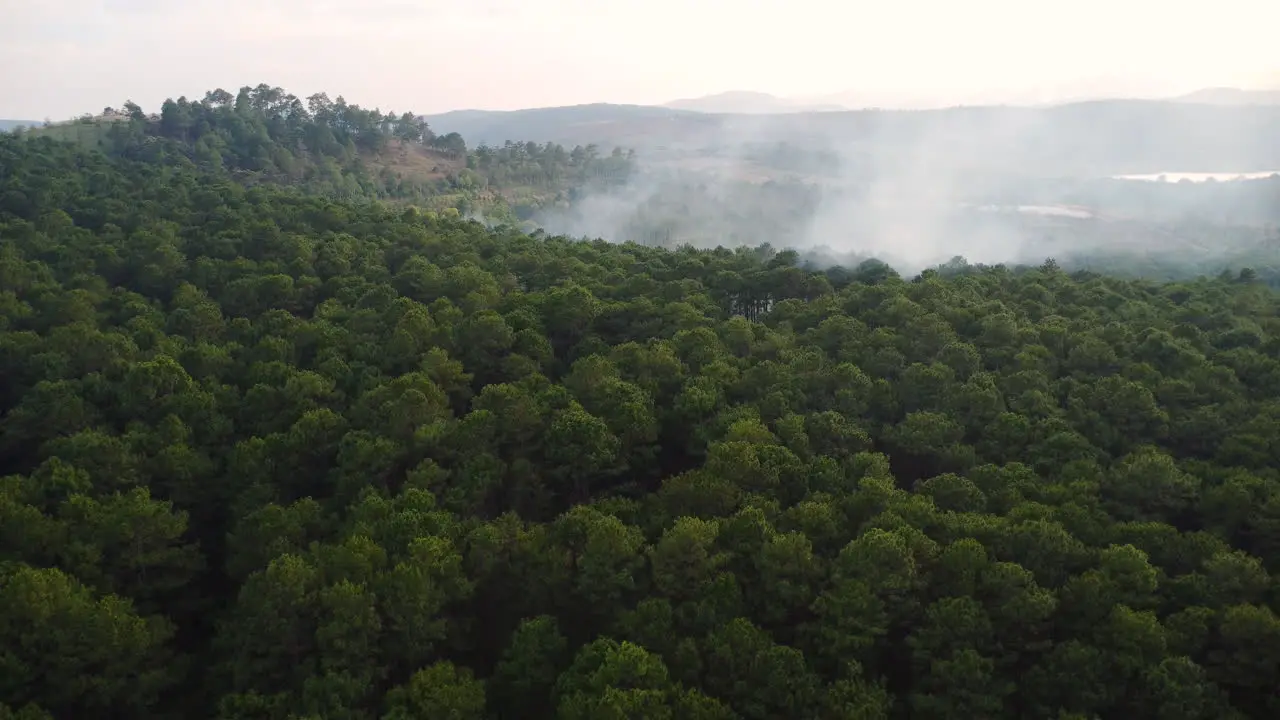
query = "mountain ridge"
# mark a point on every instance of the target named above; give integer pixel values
(1231, 96)
(1091, 137)
(748, 102)
(7, 125)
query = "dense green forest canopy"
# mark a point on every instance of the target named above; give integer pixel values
(268, 453)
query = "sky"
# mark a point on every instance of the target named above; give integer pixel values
(60, 58)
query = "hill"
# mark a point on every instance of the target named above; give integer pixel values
(600, 124)
(264, 134)
(270, 454)
(1232, 96)
(747, 103)
(6, 125)
(1088, 138)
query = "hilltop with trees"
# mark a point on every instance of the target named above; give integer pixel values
(340, 150)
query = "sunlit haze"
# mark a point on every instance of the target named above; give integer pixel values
(64, 57)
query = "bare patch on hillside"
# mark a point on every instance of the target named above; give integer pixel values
(417, 162)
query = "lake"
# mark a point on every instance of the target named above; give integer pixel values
(1068, 211)
(1197, 177)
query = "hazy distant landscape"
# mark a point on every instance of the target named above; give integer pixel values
(1106, 137)
(995, 184)
(1142, 180)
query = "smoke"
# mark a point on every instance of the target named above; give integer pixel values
(611, 214)
(916, 189)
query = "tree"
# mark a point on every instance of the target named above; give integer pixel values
(69, 651)
(439, 691)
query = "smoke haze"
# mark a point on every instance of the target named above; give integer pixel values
(915, 189)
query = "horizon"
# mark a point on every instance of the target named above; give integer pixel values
(433, 57)
(1025, 99)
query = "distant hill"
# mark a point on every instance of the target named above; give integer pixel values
(265, 135)
(1231, 96)
(6, 125)
(1107, 137)
(600, 123)
(744, 102)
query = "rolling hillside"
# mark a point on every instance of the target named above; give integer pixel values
(265, 135)
(1087, 138)
(1232, 96)
(600, 123)
(748, 103)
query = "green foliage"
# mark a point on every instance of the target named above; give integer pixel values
(266, 454)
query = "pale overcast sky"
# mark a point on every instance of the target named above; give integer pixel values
(59, 58)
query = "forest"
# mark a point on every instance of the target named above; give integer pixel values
(275, 450)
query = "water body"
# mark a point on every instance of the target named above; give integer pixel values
(1069, 211)
(1198, 177)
